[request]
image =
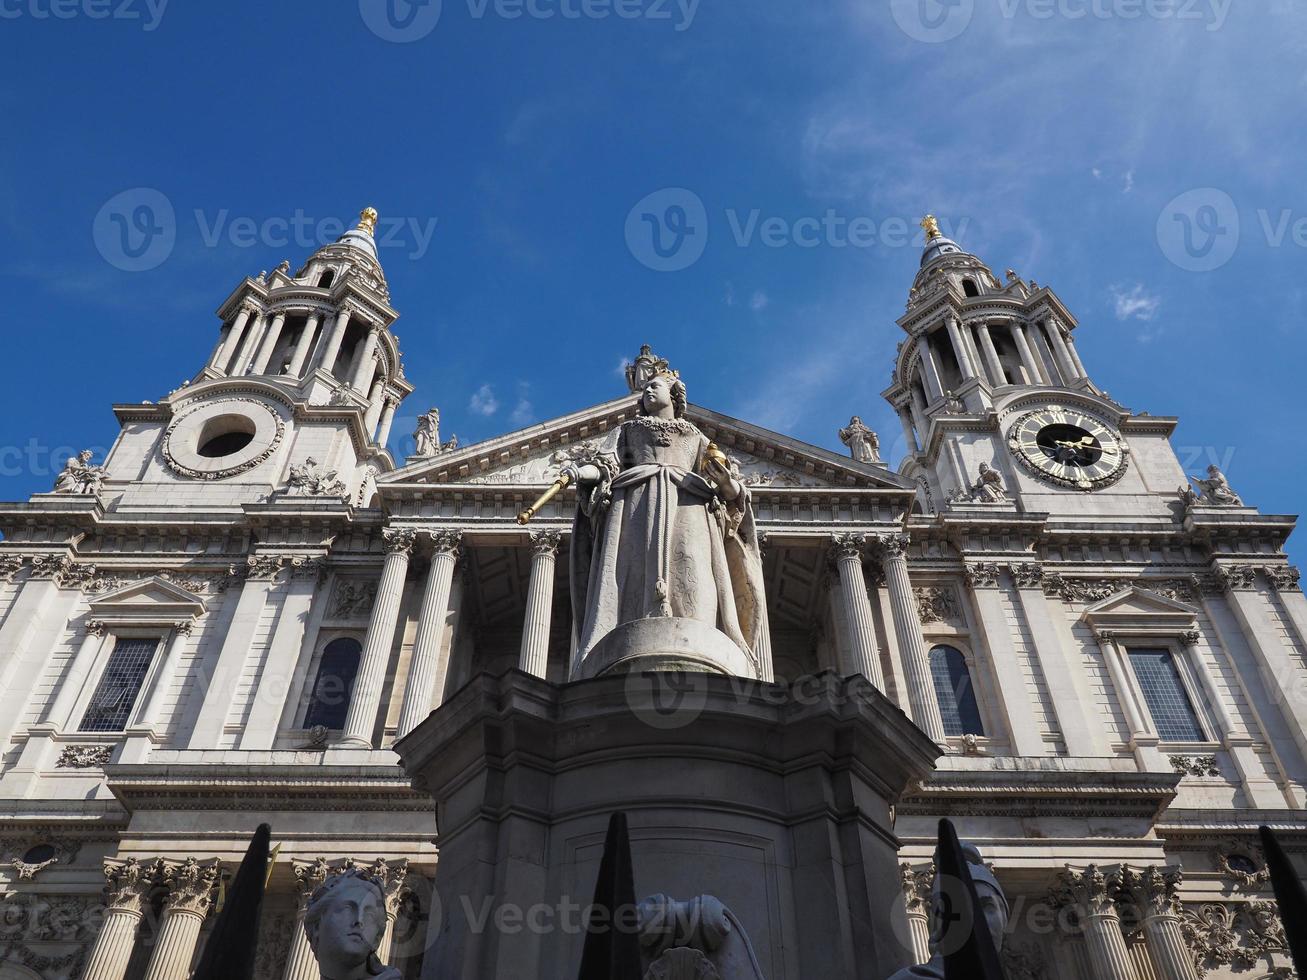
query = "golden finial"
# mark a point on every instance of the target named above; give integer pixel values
(931, 227)
(368, 220)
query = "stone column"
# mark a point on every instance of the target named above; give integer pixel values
(391, 878)
(1093, 892)
(366, 696)
(919, 413)
(376, 401)
(387, 420)
(70, 690)
(909, 433)
(245, 353)
(226, 348)
(960, 349)
(930, 367)
(426, 672)
(1053, 330)
(539, 603)
(190, 892)
(864, 659)
(997, 376)
(128, 885)
(304, 345)
(1153, 893)
(1075, 355)
(365, 366)
(916, 899)
(912, 643)
(334, 340)
(269, 344)
(1028, 359)
(300, 964)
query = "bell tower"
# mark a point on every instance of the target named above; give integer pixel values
(997, 407)
(298, 396)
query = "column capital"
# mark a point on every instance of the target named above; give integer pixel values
(391, 878)
(1105, 637)
(190, 886)
(982, 574)
(1283, 578)
(892, 546)
(1154, 890)
(917, 883)
(1235, 577)
(309, 877)
(1191, 637)
(127, 883)
(308, 567)
(399, 540)
(1027, 575)
(95, 627)
(848, 547)
(446, 541)
(546, 542)
(1092, 890)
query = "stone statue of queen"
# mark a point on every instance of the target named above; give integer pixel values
(665, 564)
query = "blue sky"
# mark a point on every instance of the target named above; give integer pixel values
(1063, 138)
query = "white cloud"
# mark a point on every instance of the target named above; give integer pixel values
(759, 301)
(1135, 303)
(730, 294)
(524, 412)
(484, 401)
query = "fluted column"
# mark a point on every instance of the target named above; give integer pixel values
(997, 376)
(847, 550)
(426, 672)
(1057, 345)
(960, 349)
(916, 899)
(334, 340)
(1027, 355)
(245, 353)
(1075, 355)
(366, 696)
(222, 354)
(1093, 893)
(376, 401)
(912, 643)
(128, 884)
(539, 603)
(391, 878)
(1153, 892)
(909, 433)
(300, 962)
(930, 366)
(364, 367)
(190, 892)
(269, 344)
(387, 420)
(304, 345)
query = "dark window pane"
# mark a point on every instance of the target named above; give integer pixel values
(334, 684)
(1168, 702)
(957, 699)
(115, 696)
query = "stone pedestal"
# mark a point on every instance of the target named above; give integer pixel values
(666, 643)
(775, 799)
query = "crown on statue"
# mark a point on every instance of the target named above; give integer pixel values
(647, 367)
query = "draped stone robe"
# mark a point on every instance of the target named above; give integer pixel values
(655, 538)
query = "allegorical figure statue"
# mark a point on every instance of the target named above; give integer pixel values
(988, 487)
(1216, 488)
(665, 528)
(864, 445)
(428, 434)
(993, 906)
(345, 921)
(79, 476)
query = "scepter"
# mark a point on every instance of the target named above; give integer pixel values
(557, 487)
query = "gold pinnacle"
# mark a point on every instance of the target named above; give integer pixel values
(368, 220)
(931, 227)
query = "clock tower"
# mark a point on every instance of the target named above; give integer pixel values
(999, 412)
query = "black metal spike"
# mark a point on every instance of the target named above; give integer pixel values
(229, 951)
(612, 946)
(968, 948)
(1290, 895)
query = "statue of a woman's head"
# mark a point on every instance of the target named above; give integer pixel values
(345, 921)
(663, 396)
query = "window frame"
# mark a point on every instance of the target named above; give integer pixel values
(113, 633)
(973, 675)
(324, 639)
(1189, 682)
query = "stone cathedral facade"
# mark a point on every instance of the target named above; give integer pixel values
(235, 615)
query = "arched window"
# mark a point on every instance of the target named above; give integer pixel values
(957, 698)
(969, 287)
(326, 279)
(334, 683)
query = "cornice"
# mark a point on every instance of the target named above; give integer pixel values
(1038, 793)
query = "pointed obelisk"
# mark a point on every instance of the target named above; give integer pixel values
(1290, 895)
(229, 952)
(612, 943)
(968, 948)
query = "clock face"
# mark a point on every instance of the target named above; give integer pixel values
(1068, 447)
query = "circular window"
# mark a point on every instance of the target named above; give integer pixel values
(223, 438)
(40, 854)
(1241, 863)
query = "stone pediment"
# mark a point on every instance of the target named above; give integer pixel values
(150, 600)
(532, 457)
(1137, 607)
